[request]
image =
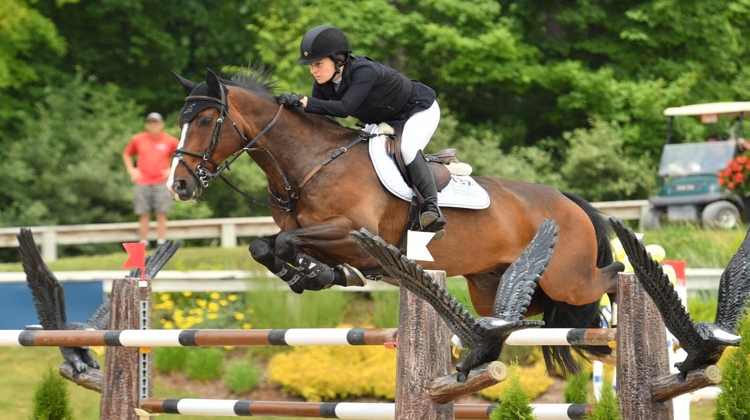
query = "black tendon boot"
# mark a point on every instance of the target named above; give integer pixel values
(431, 219)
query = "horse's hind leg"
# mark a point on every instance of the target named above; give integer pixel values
(610, 272)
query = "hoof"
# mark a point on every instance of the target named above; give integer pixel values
(353, 276)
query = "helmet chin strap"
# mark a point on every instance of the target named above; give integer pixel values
(337, 65)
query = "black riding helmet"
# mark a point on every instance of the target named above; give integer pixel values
(321, 42)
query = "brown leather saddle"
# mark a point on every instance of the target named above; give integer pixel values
(436, 161)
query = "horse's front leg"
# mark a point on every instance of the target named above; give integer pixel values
(262, 250)
(331, 239)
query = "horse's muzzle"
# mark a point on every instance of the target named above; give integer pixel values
(185, 189)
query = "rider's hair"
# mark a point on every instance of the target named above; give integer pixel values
(340, 57)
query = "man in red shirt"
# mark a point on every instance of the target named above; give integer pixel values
(154, 149)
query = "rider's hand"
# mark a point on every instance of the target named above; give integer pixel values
(291, 99)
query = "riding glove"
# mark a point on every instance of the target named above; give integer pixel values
(291, 99)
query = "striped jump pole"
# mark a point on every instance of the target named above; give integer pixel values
(336, 410)
(201, 338)
(563, 337)
(275, 337)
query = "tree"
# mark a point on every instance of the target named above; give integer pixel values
(70, 152)
(23, 30)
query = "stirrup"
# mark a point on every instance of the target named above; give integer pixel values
(431, 221)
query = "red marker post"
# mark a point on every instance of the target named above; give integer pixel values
(136, 257)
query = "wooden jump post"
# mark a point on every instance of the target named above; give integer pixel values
(645, 385)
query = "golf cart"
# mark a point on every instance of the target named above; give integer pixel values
(688, 172)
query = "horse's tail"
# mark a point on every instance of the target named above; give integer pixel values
(562, 315)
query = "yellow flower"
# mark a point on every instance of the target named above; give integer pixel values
(214, 307)
(215, 295)
(223, 302)
(164, 297)
(232, 298)
(201, 302)
(187, 294)
(212, 316)
(168, 325)
(239, 316)
(246, 325)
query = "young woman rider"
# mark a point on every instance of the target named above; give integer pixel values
(354, 85)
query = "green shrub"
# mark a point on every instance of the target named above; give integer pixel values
(514, 401)
(204, 364)
(336, 372)
(607, 408)
(51, 399)
(533, 379)
(277, 308)
(169, 359)
(205, 310)
(702, 309)
(732, 402)
(385, 309)
(577, 388)
(242, 376)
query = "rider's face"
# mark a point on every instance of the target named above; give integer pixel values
(323, 70)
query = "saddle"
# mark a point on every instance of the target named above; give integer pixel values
(442, 164)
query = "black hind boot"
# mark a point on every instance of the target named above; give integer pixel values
(431, 219)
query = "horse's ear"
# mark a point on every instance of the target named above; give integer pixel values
(186, 84)
(212, 81)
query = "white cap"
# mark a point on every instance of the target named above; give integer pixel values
(154, 116)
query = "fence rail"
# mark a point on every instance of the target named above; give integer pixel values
(697, 279)
(228, 230)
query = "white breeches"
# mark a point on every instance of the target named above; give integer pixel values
(418, 131)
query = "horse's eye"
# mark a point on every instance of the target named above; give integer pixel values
(204, 121)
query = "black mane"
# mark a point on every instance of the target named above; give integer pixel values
(260, 81)
(256, 80)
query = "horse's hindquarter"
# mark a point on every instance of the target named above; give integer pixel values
(488, 241)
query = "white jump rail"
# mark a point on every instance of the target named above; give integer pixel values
(697, 279)
(226, 229)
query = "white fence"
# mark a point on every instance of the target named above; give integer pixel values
(227, 229)
(698, 279)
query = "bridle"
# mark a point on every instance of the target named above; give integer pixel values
(204, 176)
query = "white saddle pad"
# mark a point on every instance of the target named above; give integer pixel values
(462, 191)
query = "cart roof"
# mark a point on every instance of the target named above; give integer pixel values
(721, 108)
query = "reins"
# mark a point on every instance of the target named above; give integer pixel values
(204, 176)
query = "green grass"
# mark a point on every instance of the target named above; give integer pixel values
(200, 258)
(699, 248)
(22, 368)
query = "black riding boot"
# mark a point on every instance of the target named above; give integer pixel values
(431, 219)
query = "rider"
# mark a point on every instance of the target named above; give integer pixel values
(348, 84)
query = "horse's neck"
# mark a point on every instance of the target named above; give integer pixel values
(298, 144)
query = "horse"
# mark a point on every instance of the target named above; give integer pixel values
(322, 186)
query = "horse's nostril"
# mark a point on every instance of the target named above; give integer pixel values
(179, 185)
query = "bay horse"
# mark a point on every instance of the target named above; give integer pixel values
(322, 185)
